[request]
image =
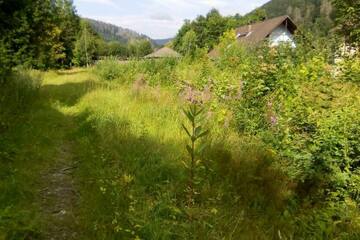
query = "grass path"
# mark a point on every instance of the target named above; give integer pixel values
(56, 192)
(59, 196)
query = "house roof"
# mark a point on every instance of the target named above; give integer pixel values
(255, 33)
(164, 53)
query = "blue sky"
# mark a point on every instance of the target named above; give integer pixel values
(158, 18)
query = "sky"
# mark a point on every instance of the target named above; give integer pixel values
(158, 19)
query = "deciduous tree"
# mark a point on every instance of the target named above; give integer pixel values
(348, 20)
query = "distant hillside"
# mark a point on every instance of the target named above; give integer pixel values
(111, 32)
(162, 42)
(312, 14)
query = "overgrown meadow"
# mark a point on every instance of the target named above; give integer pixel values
(276, 155)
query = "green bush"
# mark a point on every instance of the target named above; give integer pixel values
(109, 69)
(292, 101)
(350, 69)
(156, 72)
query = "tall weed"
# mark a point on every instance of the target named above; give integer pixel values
(17, 93)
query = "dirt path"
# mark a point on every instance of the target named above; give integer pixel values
(54, 130)
(59, 197)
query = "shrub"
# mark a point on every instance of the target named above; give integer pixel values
(109, 69)
(156, 72)
(159, 71)
(293, 103)
(350, 70)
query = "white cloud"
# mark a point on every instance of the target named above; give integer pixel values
(214, 3)
(159, 18)
(103, 2)
(154, 28)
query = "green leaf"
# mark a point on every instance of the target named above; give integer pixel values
(186, 130)
(193, 110)
(198, 131)
(189, 115)
(203, 134)
(199, 112)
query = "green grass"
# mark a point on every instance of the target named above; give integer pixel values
(128, 150)
(29, 148)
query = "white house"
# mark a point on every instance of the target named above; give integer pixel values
(276, 30)
(281, 35)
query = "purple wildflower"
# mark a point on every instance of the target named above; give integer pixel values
(273, 120)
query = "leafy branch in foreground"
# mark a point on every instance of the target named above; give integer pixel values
(194, 115)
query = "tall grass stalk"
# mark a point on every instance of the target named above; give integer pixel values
(195, 133)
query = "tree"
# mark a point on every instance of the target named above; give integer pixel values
(9, 20)
(208, 29)
(69, 25)
(348, 20)
(177, 42)
(117, 49)
(188, 45)
(144, 48)
(216, 25)
(140, 48)
(86, 46)
(113, 48)
(27, 30)
(38, 33)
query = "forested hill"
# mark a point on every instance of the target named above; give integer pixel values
(315, 14)
(110, 32)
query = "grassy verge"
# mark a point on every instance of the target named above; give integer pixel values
(17, 96)
(129, 152)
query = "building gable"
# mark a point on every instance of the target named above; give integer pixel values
(255, 33)
(281, 35)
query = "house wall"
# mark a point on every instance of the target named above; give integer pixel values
(280, 35)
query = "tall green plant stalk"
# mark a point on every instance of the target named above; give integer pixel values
(195, 133)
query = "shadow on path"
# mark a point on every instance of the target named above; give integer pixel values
(58, 194)
(68, 93)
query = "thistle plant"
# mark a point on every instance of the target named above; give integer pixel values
(195, 132)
